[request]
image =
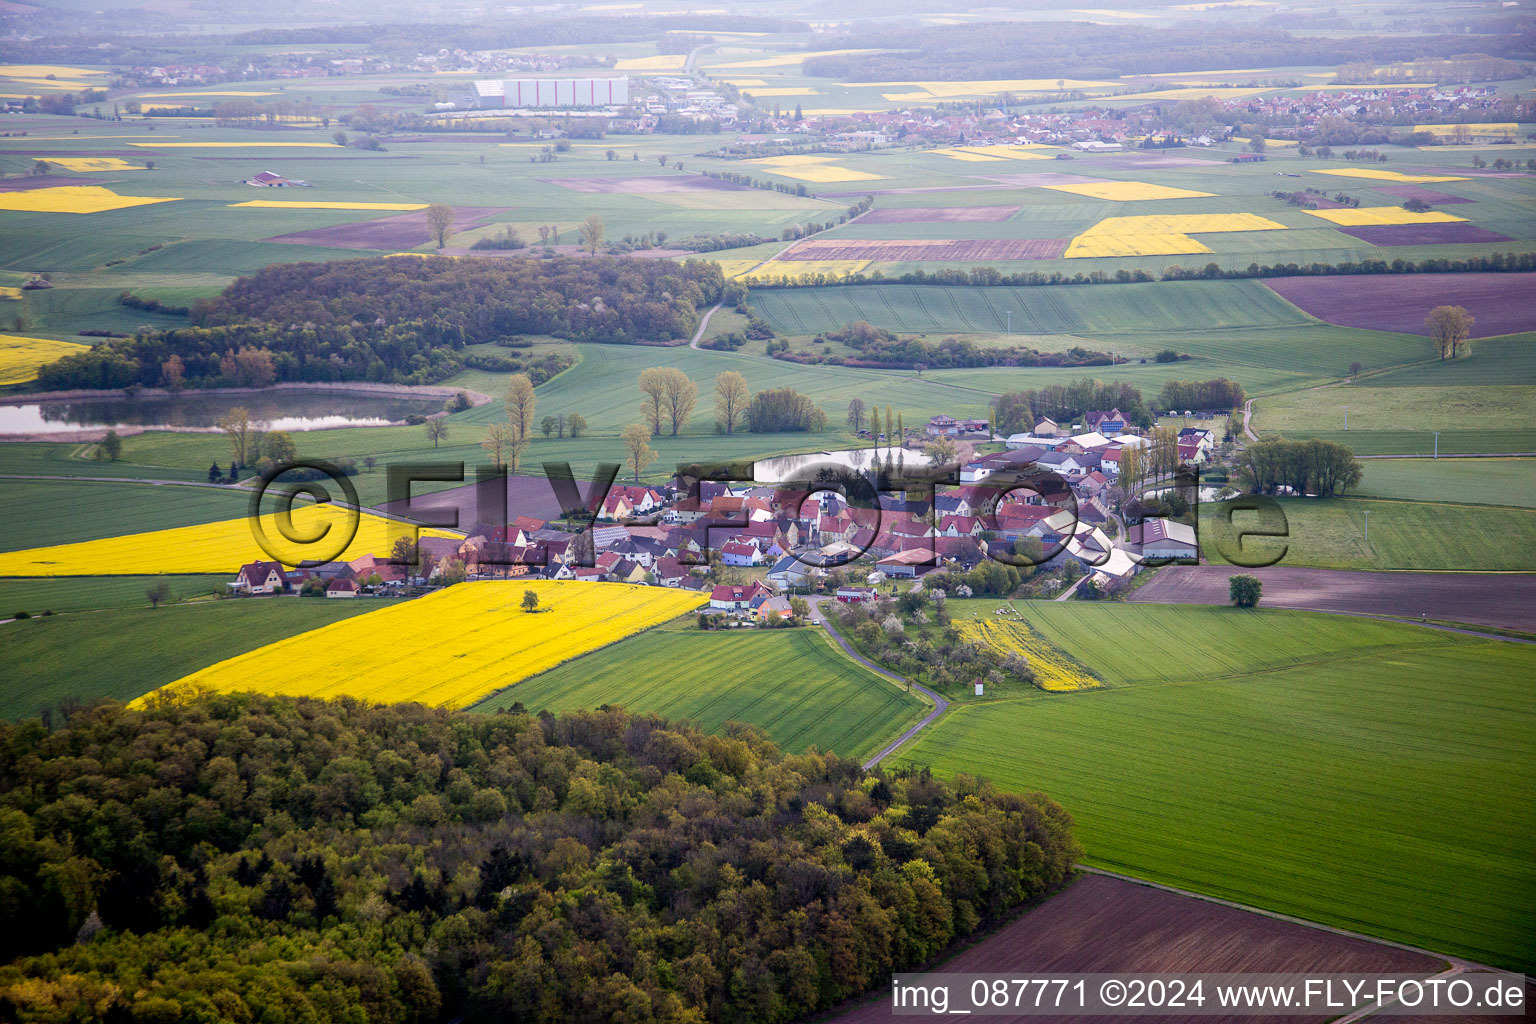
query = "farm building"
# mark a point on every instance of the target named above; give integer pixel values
(854, 595)
(524, 93)
(271, 179)
(1164, 538)
(260, 578)
(340, 587)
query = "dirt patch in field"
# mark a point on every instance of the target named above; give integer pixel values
(1424, 234)
(1502, 303)
(1506, 601)
(905, 191)
(1429, 195)
(1108, 925)
(33, 181)
(1044, 178)
(405, 231)
(939, 215)
(526, 496)
(648, 185)
(930, 249)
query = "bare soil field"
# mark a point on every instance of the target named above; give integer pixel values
(1503, 600)
(929, 249)
(526, 496)
(1102, 924)
(939, 215)
(33, 181)
(402, 231)
(1429, 195)
(1423, 234)
(1502, 303)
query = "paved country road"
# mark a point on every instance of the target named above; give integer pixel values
(940, 705)
(1501, 600)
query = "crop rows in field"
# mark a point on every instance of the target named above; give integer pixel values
(1338, 789)
(792, 683)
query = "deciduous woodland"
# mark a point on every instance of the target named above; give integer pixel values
(402, 321)
(234, 856)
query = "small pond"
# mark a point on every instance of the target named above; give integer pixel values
(276, 410)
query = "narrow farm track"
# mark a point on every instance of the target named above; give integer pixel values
(940, 705)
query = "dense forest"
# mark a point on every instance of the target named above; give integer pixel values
(881, 349)
(397, 321)
(1004, 50)
(240, 857)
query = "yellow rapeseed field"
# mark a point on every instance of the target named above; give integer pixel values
(743, 82)
(43, 71)
(235, 145)
(74, 199)
(1161, 234)
(10, 293)
(281, 204)
(20, 357)
(1055, 670)
(1128, 191)
(223, 546)
(94, 163)
(660, 62)
(735, 268)
(449, 649)
(966, 155)
(1371, 216)
(1370, 172)
(1492, 129)
(796, 269)
(813, 168)
(1011, 152)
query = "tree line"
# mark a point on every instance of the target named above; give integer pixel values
(243, 857)
(1313, 466)
(879, 348)
(1018, 411)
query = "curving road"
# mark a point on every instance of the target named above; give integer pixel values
(940, 705)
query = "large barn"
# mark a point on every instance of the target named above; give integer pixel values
(526, 93)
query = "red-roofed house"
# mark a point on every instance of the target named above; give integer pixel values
(340, 587)
(735, 597)
(260, 578)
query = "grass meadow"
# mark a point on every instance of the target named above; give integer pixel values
(1467, 481)
(1379, 789)
(793, 683)
(1331, 533)
(123, 652)
(39, 513)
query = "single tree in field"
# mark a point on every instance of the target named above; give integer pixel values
(575, 424)
(498, 439)
(637, 443)
(1245, 590)
(548, 424)
(40, 167)
(158, 594)
(1450, 326)
(1257, 143)
(1355, 368)
(856, 414)
(544, 234)
(731, 398)
(530, 601)
(279, 446)
(680, 398)
(942, 450)
(661, 158)
(520, 405)
(515, 455)
(653, 385)
(437, 429)
(440, 222)
(591, 231)
(238, 427)
(111, 446)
